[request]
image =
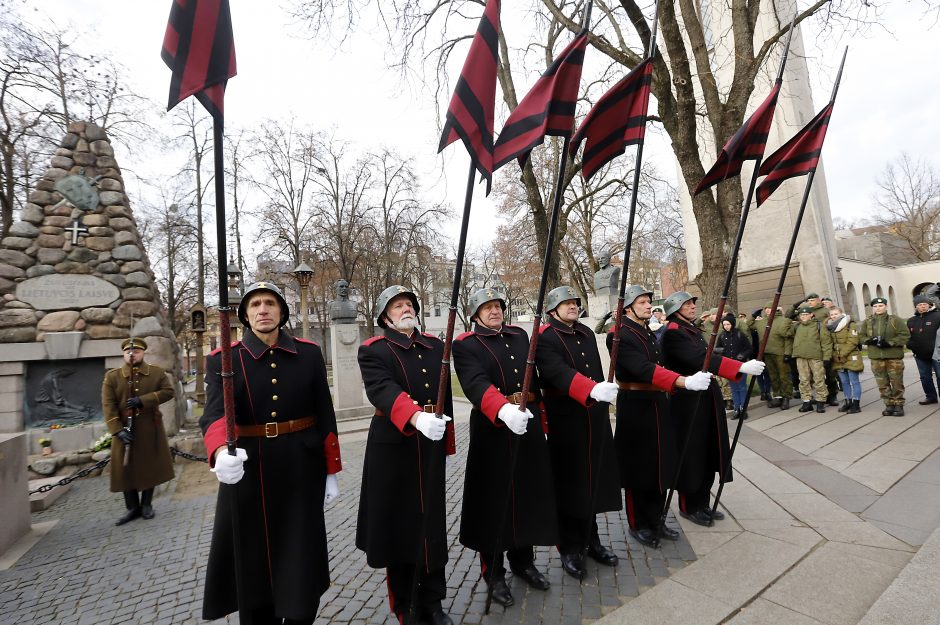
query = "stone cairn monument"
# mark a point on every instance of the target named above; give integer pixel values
(74, 277)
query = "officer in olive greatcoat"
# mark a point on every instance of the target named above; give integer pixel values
(507, 462)
(401, 525)
(268, 557)
(645, 436)
(130, 400)
(698, 417)
(577, 407)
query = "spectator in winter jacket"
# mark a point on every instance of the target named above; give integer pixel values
(846, 357)
(734, 344)
(812, 347)
(923, 328)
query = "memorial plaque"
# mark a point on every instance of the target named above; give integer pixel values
(62, 292)
(63, 392)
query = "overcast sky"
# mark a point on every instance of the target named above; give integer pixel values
(889, 99)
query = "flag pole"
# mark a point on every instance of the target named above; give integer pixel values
(773, 308)
(628, 245)
(442, 386)
(716, 324)
(225, 338)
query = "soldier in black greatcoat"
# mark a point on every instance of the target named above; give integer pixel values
(490, 363)
(268, 557)
(645, 437)
(700, 417)
(403, 470)
(576, 399)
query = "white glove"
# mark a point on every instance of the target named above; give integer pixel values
(752, 367)
(514, 419)
(429, 425)
(332, 489)
(605, 391)
(228, 468)
(698, 381)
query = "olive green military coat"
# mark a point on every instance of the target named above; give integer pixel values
(150, 463)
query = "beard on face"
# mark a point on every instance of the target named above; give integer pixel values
(405, 324)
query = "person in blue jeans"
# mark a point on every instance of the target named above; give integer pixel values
(734, 344)
(846, 358)
(923, 327)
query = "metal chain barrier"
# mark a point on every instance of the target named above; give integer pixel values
(68, 480)
(187, 456)
(100, 465)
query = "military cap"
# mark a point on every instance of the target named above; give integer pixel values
(483, 296)
(134, 343)
(812, 296)
(262, 286)
(825, 298)
(558, 295)
(634, 291)
(806, 309)
(675, 301)
(879, 300)
(390, 293)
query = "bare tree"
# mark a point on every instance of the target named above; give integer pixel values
(238, 157)
(908, 199)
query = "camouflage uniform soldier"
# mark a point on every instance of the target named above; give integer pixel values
(885, 335)
(776, 356)
(812, 348)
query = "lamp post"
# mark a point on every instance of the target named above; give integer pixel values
(303, 273)
(234, 274)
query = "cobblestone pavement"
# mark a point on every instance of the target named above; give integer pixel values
(86, 570)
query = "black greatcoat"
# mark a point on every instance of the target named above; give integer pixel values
(684, 350)
(401, 374)
(645, 436)
(490, 365)
(579, 435)
(272, 548)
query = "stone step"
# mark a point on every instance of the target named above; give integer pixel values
(43, 501)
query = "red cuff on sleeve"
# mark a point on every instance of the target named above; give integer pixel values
(214, 438)
(334, 463)
(451, 439)
(492, 401)
(402, 410)
(664, 378)
(730, 369)
(580, 390)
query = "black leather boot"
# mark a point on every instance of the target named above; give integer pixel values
(785, 403)
(806, 407)
(846, 404)
(146, 510)
(820, 406)
(133, 507)
(854, 408)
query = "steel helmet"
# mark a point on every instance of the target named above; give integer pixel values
(387, 295)
(270, 287)
(634, 291)
(483, 296)
(558, 295)
(675, 301)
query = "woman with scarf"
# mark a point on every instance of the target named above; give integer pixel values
(846, 358)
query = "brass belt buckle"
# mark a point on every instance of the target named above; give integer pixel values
(267, 429)
(429, 408)
(516, 398)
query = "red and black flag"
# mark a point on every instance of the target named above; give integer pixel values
(198, 47)
(470, 114)
(796, 157)
(616, 121)
(748, 143)
(548, 108)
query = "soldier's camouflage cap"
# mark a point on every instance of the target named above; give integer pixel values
(806, 309)
(812, 296)
(879, 300)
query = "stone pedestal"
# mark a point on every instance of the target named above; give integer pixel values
(348, 400)
(600, 304)
(14, 497)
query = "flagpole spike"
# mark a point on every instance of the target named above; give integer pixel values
(786, 48)
(835, 87)
(651, 50)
